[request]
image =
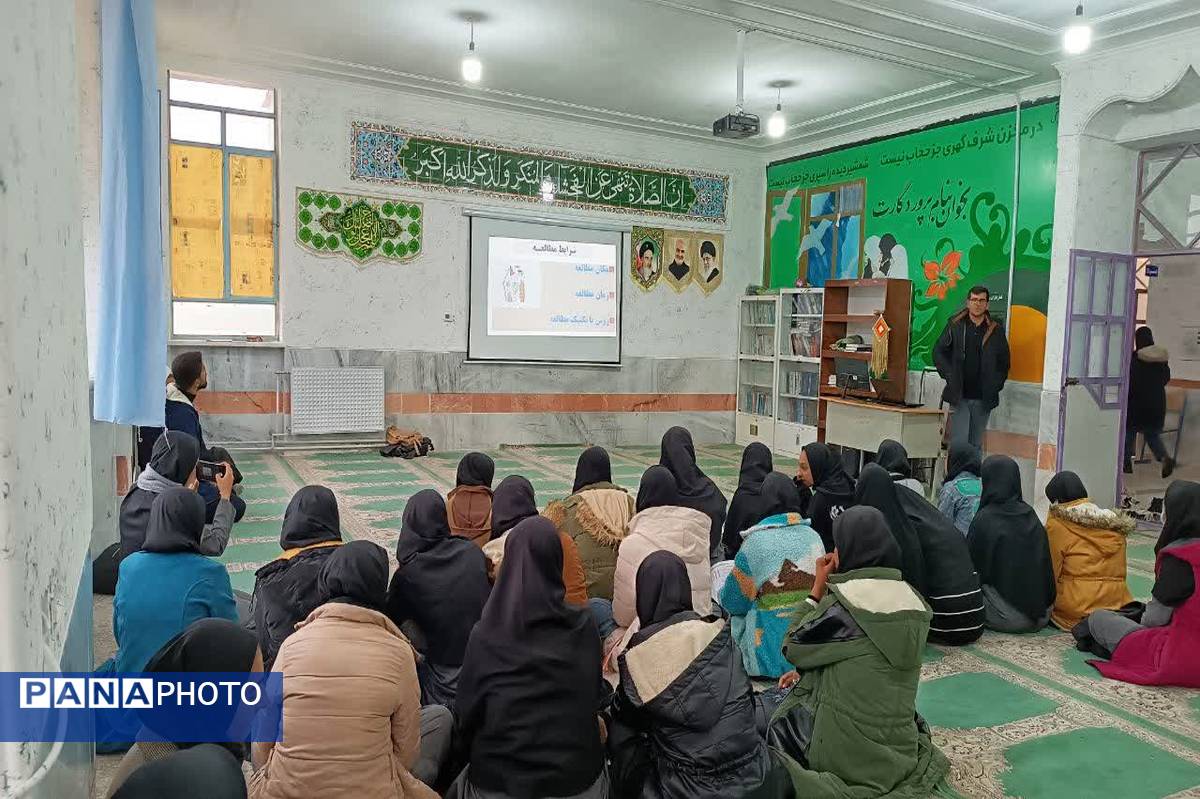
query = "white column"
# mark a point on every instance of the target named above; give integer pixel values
(45, 481)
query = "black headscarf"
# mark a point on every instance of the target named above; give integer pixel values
(1001, 482)
(423, 525)
(355, 574)
(204, 771)
(657, 489)
(311, 518)
(1008, 542)
(877, 490)
(747, 507)
(1181, 512)
(441, 581)
(894, 457)
(176, 522)
(174, 456)
(663, 588)
(863, 539)
(476, 469)
(513, 501)
(756, 465)
(530, 684)
(593, 467)
(778, 495)
(964, 457)
(828, 475)
(832, 490)
(207, 645)
(1065, 487)
(696, 490)
(1142, 337)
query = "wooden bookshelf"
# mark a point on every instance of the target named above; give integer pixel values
(851, 306)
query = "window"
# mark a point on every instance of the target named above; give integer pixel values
(831, 246)
(1168, 200)
(221, 168)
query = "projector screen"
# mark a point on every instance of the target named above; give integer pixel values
(544, 292)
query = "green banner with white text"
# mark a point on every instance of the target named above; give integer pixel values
(934, 206)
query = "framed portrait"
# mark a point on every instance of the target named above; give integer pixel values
(646, 256)
(678, 269)
(708, 260)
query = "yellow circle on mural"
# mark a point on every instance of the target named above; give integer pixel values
(1027, 344)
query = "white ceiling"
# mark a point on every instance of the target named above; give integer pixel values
(669, 65)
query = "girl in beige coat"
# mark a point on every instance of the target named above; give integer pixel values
(351, 705)
(660, 524)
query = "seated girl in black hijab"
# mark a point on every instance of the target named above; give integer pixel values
(696, 489)
(832, 489)
(530, 687)
(440, 586)
(745, 509)
(934, 557)
(208, 645)
(1011, 553)
(469, 504)
(669, 739)
(285, 590)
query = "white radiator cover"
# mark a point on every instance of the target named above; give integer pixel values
(337, 400)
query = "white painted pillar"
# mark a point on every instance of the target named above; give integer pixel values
(45, 480)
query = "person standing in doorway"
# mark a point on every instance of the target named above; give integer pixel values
(972, 357)
(1149, 374)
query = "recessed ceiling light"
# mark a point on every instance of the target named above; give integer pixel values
(1077, 38)
(472, 67)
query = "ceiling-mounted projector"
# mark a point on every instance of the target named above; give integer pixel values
(739, 124)
(736, 126)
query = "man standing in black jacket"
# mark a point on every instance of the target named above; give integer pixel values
(972, 357)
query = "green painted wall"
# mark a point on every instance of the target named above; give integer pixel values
(945, 196)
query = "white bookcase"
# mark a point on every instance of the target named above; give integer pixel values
(798, 369)
(758, 369)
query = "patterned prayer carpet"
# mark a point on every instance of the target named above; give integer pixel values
(1020, 716)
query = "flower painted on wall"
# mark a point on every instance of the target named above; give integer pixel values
(942, 276)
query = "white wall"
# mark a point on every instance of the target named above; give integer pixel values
(45, 512)
(1173, 312)
(330, 302)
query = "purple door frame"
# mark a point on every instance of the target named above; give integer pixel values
(1099, 386)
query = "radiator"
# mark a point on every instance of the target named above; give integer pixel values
(339, 400)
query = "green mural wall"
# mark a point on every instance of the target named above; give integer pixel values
(935, 206)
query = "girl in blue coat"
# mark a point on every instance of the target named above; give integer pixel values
(161, 590)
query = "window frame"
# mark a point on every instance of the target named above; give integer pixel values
(835, 217)
(226, 151)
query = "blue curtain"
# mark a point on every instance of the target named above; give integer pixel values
(131, 351)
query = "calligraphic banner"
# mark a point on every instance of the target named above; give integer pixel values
(934, 206)
(390, 155)
(358, 226)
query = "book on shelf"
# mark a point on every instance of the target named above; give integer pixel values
(760, 313)
(805, 338)
(756, 401)
(807, 303)
(803, 383)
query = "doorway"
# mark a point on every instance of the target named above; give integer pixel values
(1168, 299)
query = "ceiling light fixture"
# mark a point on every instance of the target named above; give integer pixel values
(1077, 38)
(548, 188)
(472, 67)
(777, 124)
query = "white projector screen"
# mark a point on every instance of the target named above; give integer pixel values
(544, 292)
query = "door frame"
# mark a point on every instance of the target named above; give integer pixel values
(1067, 381)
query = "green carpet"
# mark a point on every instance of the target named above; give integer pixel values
(1021, 716)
